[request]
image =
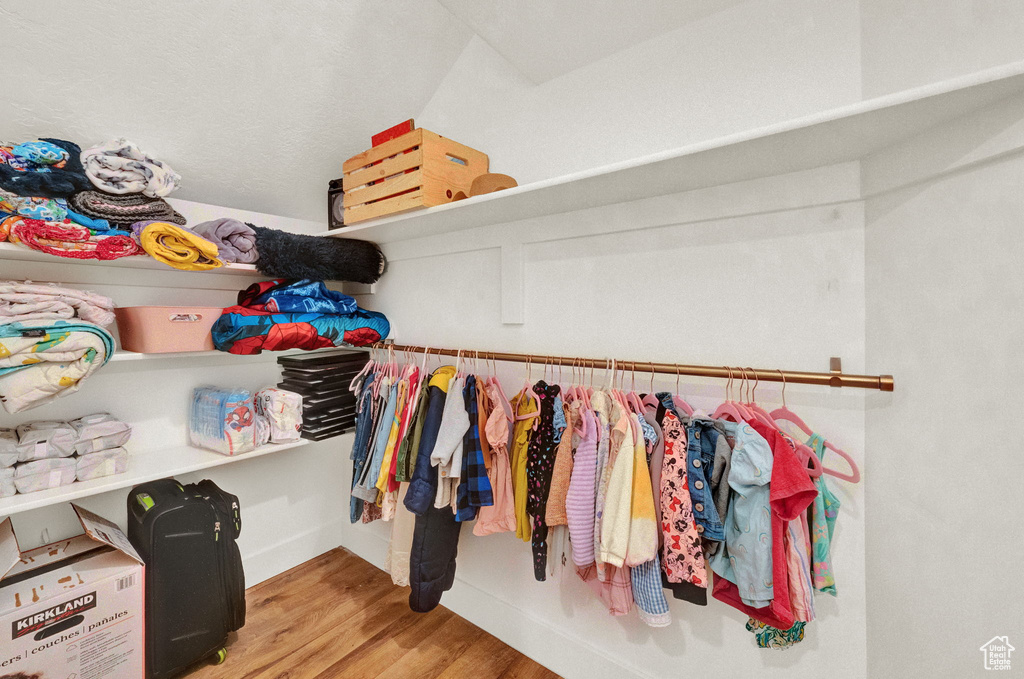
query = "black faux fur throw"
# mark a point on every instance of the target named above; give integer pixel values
(62, 183)
(292, 255)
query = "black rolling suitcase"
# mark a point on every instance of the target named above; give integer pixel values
(195, 588)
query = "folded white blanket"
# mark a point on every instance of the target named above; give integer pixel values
(103, 463)
(43, 474)
(120, 167)
(8, 448)
(99, 432)
(34, 301)
(7, 487)
(45, 439)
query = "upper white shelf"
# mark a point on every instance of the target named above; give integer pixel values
(840, 135)
(143, 467)
(10, 251)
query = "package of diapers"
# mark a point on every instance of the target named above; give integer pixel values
(283, 411)
(45, 439)
(44, 474)
(225, 421)
(8, 448)
(102, 463)
(7, 488)
(101, 431)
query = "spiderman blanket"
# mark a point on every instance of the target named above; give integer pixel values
(278, 315)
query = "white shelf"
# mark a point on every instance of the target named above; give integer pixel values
(142, 467)
(121, 356)
(840, 135)
(10, 251)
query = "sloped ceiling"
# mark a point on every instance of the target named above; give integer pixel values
(546, 38)
(257, 104)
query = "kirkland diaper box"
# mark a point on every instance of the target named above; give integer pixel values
(72, 609)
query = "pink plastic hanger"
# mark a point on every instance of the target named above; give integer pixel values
(678, 400)
(728, 409)
(785, 414)
(806, 453)
(632, 397)
(751, 405)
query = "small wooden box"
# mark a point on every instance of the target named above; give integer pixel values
(419, 169)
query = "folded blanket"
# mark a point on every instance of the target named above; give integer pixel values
(65, 239)
(34, 302)
(235, 240)
(123, 211)
(292, 255)
(34, 207)
(30, 169)
(5, 226)
(43, 360)
(89, 222)
(120, 167)
(176, 246)
(250, 327)
(296, 297)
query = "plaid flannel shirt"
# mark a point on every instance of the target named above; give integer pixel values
(475, 487)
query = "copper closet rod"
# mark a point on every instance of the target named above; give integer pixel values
(834, 378)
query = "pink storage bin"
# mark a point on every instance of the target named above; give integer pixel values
(162, 329)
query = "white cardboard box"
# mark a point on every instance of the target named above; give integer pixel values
(72, 609)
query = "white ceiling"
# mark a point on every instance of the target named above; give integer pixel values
(257, 104)
(547, 38)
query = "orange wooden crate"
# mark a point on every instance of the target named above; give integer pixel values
(419, 169)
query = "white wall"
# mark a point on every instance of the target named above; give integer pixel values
(945, 291)
(291, 507)
(752, 64)
(773, 278)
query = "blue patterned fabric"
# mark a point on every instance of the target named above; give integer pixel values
(278, 315)
(474, 489)
(648, 594)
(305, 296)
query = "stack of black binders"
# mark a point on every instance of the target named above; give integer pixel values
(328, 407)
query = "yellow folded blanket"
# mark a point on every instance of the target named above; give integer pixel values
(177, 246)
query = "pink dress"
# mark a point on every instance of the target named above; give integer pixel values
(501, 516)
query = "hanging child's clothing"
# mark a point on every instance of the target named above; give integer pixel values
(523, 406)
(500, 517)
(540, 464)
(823, 522)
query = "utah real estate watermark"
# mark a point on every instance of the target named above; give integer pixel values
(997, 653)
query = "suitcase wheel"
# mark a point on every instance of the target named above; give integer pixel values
(220, 656)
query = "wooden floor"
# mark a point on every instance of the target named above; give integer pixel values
(340, 616)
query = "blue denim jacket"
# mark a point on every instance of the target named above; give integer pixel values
(701, 439)
(364, 427)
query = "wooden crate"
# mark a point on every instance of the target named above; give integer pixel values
(419, 169)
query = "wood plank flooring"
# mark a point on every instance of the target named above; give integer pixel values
(340, 616)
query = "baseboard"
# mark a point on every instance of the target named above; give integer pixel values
(291, 552)
(535, 637)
